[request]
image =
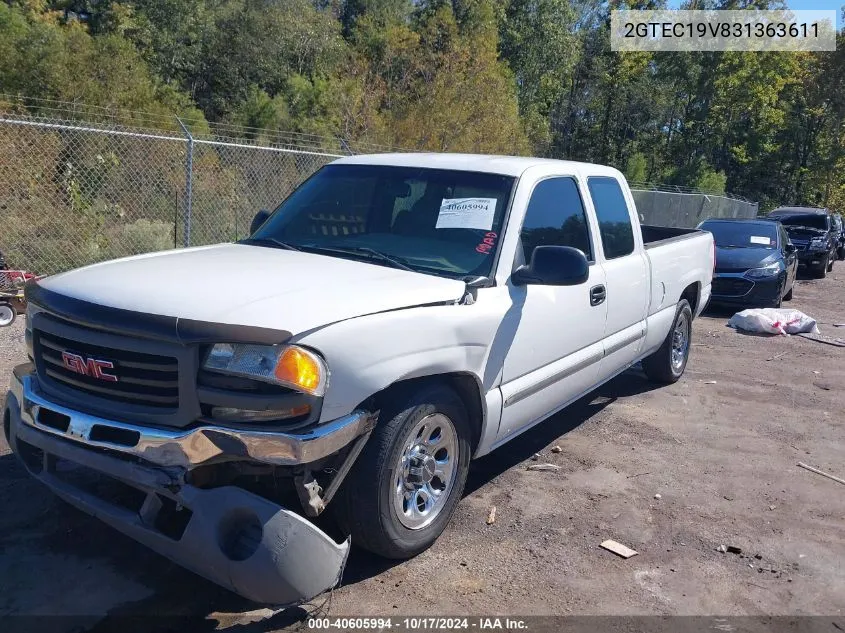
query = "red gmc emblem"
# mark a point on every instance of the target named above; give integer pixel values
(88, 366)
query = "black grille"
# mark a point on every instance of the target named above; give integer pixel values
(142, 379)
(731, 286)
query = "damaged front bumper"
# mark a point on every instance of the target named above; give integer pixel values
(229, 535)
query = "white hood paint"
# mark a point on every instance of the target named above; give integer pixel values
(252, 285)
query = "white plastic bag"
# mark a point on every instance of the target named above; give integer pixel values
(773, 321)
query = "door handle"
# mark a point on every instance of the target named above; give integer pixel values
(597, 295)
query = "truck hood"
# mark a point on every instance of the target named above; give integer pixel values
(240, 284)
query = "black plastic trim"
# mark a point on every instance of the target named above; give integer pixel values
(150, 326)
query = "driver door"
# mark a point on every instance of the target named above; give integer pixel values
(557, 347)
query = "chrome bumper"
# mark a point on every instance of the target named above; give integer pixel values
(241, 541)
(189, 448)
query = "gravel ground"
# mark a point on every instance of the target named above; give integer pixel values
(720, 448)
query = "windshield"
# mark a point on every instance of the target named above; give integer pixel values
(743, 234)
(435, 221)
(808, 220)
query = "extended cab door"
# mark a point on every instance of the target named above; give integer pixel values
(626, 269)
(556, 331)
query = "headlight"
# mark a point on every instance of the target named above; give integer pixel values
(818, 242)
(766, 271)
(286, 365)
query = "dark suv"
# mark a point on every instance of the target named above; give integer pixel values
(814, 235)
(839, 229)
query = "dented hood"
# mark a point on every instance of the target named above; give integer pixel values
(252, 285)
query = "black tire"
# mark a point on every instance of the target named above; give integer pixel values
(821, 271)
(840, 252)
(788, 295)
(7, 314)
(659, 366)
(365, 504)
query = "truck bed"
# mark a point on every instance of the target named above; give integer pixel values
(658, 235)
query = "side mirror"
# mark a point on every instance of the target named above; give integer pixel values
(789, 248)
(553, 266)
(259, 219)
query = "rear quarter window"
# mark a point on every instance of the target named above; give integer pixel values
(617, 233)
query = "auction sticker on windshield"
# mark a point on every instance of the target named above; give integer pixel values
(466, 213)
(759, 239)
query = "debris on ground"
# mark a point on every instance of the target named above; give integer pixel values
(773, 321)
(535, 457)
(772, 507)
(733, 549)
(658, 496)
(618, 548)
(722, 548)
(556, 449)
(823, 386)
(491, 516)
(709, 382)
(836, 342)
(821, 472)
(544, 467)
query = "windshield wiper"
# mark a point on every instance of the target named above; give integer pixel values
(354, 250)
(270, 240)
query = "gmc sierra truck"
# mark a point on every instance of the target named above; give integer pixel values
(397, 316)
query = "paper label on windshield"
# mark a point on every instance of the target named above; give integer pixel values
(759, 239)
(466, 213)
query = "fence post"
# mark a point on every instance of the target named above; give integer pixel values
(189, 182)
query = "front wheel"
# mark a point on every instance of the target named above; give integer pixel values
(403, 488)
(7, 314)
(668, 363)
(821, 271)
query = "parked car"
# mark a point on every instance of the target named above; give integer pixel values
(812, 232)
(395, 317)
(839, 230)
(756, 263)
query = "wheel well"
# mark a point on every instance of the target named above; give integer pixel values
(692, 293)
(465, 385)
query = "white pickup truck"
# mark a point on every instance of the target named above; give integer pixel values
(395, 317)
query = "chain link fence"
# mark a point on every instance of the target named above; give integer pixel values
(75, 193)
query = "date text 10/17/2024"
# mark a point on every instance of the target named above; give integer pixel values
(480, 623)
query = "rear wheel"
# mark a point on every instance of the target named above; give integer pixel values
(668, 363)
(402, 491)
(7, 314)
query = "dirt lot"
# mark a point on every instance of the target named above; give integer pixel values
(720, 448)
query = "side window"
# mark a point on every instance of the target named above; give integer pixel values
(617, 234)
(555, 217)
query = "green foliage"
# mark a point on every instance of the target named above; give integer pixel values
(636, 168)
(504, 76)
(711, 181)
(145, 236)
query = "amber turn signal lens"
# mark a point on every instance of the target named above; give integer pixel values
(301, 369)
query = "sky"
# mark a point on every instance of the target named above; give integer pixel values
(803, 5)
